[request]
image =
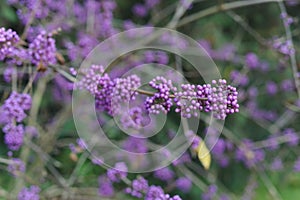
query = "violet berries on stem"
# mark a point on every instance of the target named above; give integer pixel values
(218, 97)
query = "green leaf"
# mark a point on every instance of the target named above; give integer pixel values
(9, 14)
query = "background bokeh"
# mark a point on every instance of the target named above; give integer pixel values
(255, 45)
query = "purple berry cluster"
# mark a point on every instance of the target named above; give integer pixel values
(106, 188)
(14, 136)
(219, 98)
(16, 105)
(124, 90)
(284, 47)
(109, 93)
(8, 40)
(104, 87)
(161, 100)
(156, 192)
(141, 189)
(287, 20)
(117, 174)
(186, 101)
(31, 193)
(13, 110)
(232, 100)
(42, 50)
(92, 77)
(223, 99)
(106, 28)
(203, 96)
(99, 85)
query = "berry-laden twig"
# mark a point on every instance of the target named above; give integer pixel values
(217, 97)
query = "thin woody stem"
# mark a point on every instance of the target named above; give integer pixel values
(145, 92)
(293, 60)
(220, 8)
(30, 82)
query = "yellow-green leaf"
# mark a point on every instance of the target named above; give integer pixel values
(204, 155)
